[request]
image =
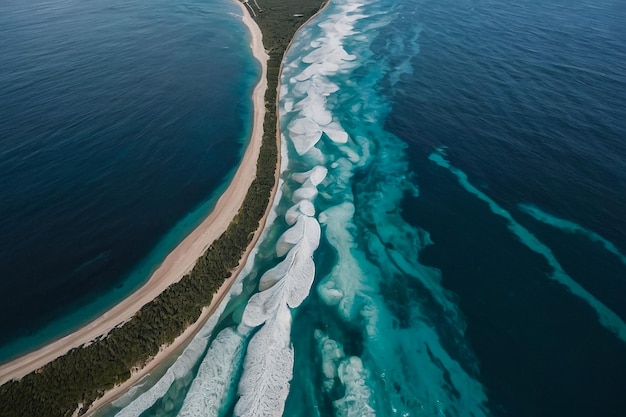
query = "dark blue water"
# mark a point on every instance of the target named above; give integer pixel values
(528, 99)
(120, 121)
(473, 222)
(470, 214)
(472, 207)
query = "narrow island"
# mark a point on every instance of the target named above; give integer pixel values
(82, 371)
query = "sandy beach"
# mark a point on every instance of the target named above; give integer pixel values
(180, 261)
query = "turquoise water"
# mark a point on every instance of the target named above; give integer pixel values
(449, 237)
(403, 275)
(115, 141)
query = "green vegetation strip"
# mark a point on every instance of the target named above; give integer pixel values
(81, 376)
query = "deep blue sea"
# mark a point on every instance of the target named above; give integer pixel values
(120, 122)
(449, 237)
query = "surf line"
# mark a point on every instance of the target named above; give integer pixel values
(606, 316)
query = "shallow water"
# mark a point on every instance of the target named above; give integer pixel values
(464, 166)
(450, 234)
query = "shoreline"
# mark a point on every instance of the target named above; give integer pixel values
(189, 333)
(181, 260)
(258, 96)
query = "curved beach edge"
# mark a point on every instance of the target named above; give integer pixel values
(247, 175)
(178, 262)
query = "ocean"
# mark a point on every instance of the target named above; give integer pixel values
(449, 238)
(120, 124)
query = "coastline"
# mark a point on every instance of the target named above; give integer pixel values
(258, 97)
(261, 55)
(181, 260)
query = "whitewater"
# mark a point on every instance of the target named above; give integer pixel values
(342, 179)
(334, 314)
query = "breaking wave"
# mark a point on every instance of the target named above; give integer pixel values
(343, 178)
(333, 114)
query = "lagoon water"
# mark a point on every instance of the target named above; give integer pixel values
(450, 235)
(120, 123)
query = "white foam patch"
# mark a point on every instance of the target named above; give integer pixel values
(299, 271)
(326, 67)
(305, 228)
(356, 401)
(314, 107)
(336, 133)
(268, 368)
(305, 75)
(302, 207)
(316, 175)
(606, 316)
(331, 352)
(288, 283)
(210, 387)
(369, 313)
(304, 134)
(350, 371)
(262, 305)
(300, 89)
(308, 191)
(339, 27)
(347, 280)
(330, 50)
(331, 295)
(287, 105)
(315, 157)
(321, 85)
(301, 275)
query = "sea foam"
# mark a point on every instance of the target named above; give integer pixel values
(268, 364)
(371, 242)
(349, 372)
(294, 212)
(268, 368)
(211, 385)
(305, 228)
